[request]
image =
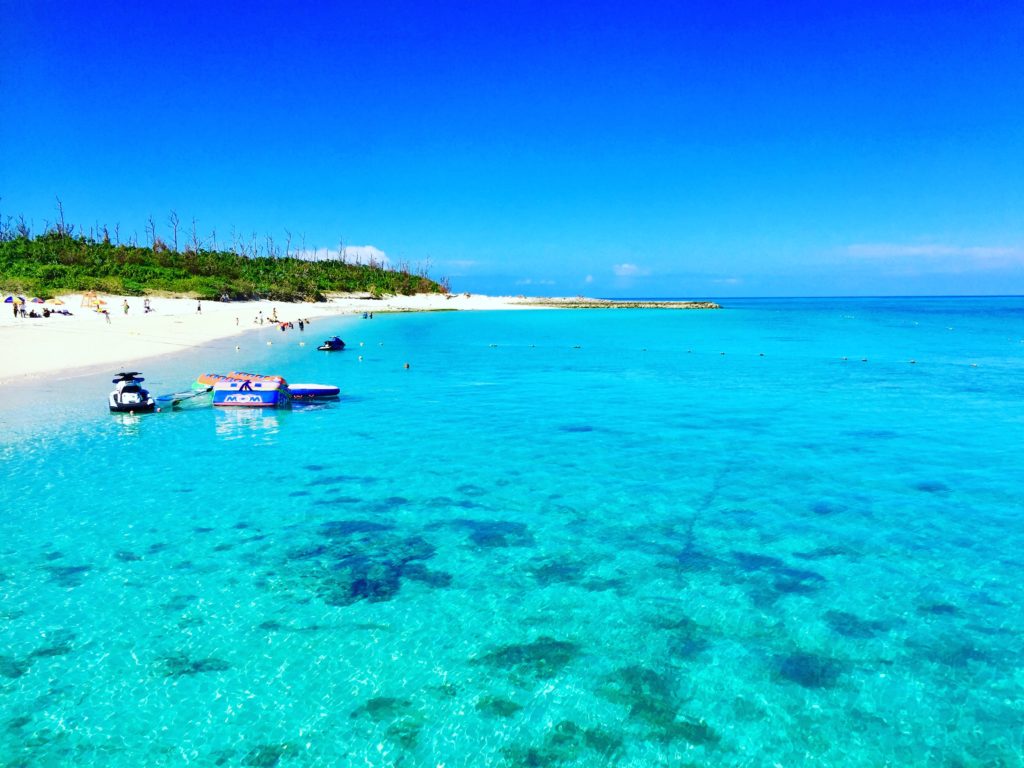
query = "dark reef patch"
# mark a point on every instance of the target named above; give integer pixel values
(266, 755)
(950, 651)
(297, 494)
(821, 553)
(564, 745)
(51, 556)
(652, 701)
(363, 560)
(576, 428)
(126, 557)
(13, 668)
(551, 570)
(344, 479)
(68, 575)
(179, 603)
(808, 670)
(938, 609)
(338, 500)
(382, 708)
(419, 572)
(542, 658)
(18, 722)
(495, 707)
(203, 529)
(492, 534)
(751, 561)
(60, 645)
(180, 665)
(825, 508)
(469, 489)
(931, 486)
(849, 625)
(341, 528)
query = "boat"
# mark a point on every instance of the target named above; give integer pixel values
(250, 393)
(129, 396)
(198, 396)
(306, 392)
(333, 344)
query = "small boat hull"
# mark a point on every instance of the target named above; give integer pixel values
(313, 391)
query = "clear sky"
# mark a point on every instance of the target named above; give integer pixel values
(610, 149)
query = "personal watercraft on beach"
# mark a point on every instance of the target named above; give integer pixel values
(129, 396)
(333, 344)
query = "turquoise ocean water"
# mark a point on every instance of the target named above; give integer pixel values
(558, 539)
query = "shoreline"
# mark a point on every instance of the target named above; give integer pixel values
(89, 340)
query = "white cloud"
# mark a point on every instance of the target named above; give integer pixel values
(629, 270)
(915, 259)
(727, 281)
(588, 279)
(353, 254)
(928, 251)
(531, 281)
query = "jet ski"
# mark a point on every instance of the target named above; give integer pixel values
(333, 344)
(129, 396)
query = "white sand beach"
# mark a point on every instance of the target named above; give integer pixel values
(62, 345)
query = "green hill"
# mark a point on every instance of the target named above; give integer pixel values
(55, 263)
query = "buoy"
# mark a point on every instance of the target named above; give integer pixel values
(406, 365)
(863, 359)
(270, 343)
(974, 365)
(842, 358)
(492, 345)
(302, 343)
(237, 347)
(912, 362)
(360, 358)
(760, 354)
(361, 344)
(577, 347)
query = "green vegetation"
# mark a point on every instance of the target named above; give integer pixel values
(60, 262)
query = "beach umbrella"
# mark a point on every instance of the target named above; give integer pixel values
(8, 300)
(54, 301)
(36, 300)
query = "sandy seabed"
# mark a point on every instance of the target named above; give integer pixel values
(89, 339)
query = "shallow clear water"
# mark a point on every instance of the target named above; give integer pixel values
(559, 538)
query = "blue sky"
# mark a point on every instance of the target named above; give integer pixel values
(676, 149)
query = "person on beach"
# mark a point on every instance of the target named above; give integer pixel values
(14, 307)
(125, 306)
(199, 308)
(146, 307)
(302, 325)
(106, 314)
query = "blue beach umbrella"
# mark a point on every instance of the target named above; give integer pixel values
(9, 300)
